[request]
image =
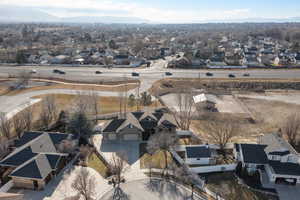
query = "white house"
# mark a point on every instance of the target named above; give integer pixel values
(200, 155)
(273, 155)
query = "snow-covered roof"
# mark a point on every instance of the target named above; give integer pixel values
(204, 97)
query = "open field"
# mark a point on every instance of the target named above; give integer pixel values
(268, 117)
(106, 104)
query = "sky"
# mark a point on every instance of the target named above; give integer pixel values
(166, 10)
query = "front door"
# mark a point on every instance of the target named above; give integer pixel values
(35, 185)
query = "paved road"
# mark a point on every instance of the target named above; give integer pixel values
(157, 190)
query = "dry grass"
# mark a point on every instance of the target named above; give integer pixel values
(227, 186)
(106, 104)
(97, 164)
(157, 160)
(269, 116)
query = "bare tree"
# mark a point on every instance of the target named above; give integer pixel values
(5, 125)
(162, 141)
(49, 111)
(18, 123)
(117, 166)
(150, 165)
(4, 150)
(84, 184)
(188, 177)
(82, 104)
(222, 132)
(27, 118)
(121, 103)
(94, 103)
(291, 128)
(23, 79)
(66, 146)
(183, 113)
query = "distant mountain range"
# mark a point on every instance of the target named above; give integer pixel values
(22, 14)
(28, 14)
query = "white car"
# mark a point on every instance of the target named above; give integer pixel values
(33, 71)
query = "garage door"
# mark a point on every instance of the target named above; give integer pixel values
(131, 137)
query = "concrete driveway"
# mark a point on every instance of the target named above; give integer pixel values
(106, 149)
(286, 192)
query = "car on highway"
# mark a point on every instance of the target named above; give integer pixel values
(168, 74)
(135, 74)
(62, 72)
(209, 74)
(33, 71)
(56, 71)
(246, 74)
(98, 72)
(231, 75)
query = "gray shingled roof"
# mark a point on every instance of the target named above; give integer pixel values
(254, 153)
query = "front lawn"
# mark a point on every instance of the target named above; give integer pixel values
(157, 160)
(97, 164)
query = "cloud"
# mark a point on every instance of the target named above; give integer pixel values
(66, 8)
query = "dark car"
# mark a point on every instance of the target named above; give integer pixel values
(135, 74)
(209, 74)
(231, 76)
(246, 74)
(56, 71)
(168, 74)
(62, 72)
(98, 72)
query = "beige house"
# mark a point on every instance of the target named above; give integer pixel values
(36, 159)
(137, 126)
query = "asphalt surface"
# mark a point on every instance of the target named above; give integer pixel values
(147, 76)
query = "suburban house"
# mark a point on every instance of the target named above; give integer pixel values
(273, 156)
(138, 125)
(36, 159)
(200, 155)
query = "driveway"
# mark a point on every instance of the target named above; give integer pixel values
(129, 148)
(286, 192)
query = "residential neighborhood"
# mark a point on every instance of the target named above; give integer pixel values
(149, 100)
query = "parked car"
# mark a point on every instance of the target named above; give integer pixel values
(135, 74)
(98, 72)
(231, 76)
(168, 74)
(209, 74)
(246, 74)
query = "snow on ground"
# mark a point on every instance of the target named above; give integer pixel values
(65, 189)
